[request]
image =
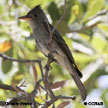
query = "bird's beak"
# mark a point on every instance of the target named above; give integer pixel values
(25, 17)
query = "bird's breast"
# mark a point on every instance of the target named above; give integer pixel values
(41, 39)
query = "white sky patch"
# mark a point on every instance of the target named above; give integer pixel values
(103, 82)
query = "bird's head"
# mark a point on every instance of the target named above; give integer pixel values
(36, 15)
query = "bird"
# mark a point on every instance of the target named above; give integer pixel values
(42, 28)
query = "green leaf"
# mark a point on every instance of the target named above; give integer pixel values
(85, 36)
(33, 3)
(103, 27)
(6, 64)
(105, 97)
(83, 58)
(99, 43)
(30, 43)
(93, 7)
(1, 9)
(72, 18)
(63, 27)
(54, 12)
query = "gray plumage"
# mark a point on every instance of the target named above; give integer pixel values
(39, 24)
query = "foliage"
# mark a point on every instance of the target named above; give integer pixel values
(84, 28)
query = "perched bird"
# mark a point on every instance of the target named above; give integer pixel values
(63, 56)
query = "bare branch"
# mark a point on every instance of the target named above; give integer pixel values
(66, 97)
(7, 87)
(5, 57)
(40, 65)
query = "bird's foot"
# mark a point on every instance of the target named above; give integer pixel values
(51, 57)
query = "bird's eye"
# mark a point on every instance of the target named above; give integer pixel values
(35, 15)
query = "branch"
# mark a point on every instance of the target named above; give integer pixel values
(102, 12)
(5, 57)
(51, 32)
(7, 87)
(46, 82)
(50, 102)
(30, 97)
(48, 86)
(66, 97)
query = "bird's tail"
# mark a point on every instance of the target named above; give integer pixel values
(79, 84)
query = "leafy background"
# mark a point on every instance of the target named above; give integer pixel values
(84, 28)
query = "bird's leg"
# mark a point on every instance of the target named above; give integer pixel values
(51, 59)
(47, 68)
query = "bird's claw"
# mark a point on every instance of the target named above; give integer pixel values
(51, 57)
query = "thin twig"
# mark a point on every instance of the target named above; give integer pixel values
(66, 97)
(7, 87)
(5, 57)
(51, 34)
(102, 12)
(22, 84)
(41, 69)
(55, 98)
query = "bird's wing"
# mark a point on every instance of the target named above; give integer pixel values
(60, 41)
(62, 44)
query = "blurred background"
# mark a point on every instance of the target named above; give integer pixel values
(84, 28)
